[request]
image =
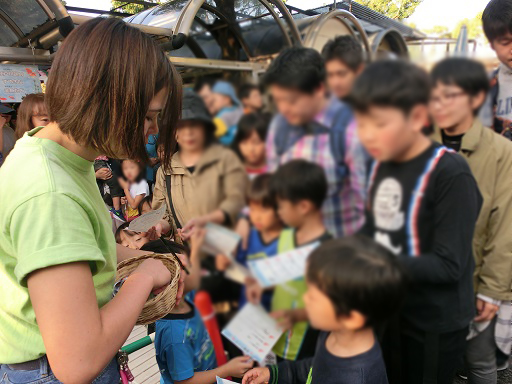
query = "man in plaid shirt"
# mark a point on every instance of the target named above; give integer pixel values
(318, 128)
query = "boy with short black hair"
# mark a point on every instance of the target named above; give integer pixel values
(423, 204)
(497, 25)
(184, 350)
(459, 89)
(344, 61)
(318, 128)
(300, 188)
(353, 286)
(250, 96)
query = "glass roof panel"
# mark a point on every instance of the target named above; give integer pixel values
(7, 36)
(164, 16)
(26, 14)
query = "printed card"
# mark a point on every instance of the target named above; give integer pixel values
(284, 267)
(220, 240)
(144, 222)
(253, 331)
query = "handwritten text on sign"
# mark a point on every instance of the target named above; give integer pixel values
(17, 81)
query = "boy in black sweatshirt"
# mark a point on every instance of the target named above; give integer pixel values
(354, 284)
(423, 203)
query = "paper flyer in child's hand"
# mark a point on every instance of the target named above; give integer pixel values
(224, 381)
(284, 267)
(253, 331)
(220, 240)
(146, 221)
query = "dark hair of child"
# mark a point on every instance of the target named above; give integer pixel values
(390, 83)
(157, 246)
(296, 68)
(345, 49)
(497, 19)
(244, 91)
(259, 191)
(202, 81)
(358, 274)
(249, 123)
(146, 200)
(142, 169)
(465, 73)
(300, 180)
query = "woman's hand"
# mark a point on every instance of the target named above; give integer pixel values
(158, 272)
(103, 174)
(253, 291)
(154, 233)
(188, 230)
(243, 228)
(123, 183)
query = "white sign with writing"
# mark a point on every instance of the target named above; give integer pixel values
(17, 81)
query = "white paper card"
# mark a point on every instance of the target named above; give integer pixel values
(253, 331)
(224, 381)
(281, 268)
(144, 222)
(220, 240)
(236, 272)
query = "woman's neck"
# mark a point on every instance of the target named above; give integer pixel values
(461, 128)
(52, 132)
(190, 158)
(256, 166)
(350, 343)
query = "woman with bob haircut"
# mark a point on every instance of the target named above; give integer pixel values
(109, 86)
(31, 114)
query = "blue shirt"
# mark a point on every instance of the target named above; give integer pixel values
(257, 249)
(151, 150)
(183, 346)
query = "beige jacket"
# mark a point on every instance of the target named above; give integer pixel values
(218, 182)
(489, 156)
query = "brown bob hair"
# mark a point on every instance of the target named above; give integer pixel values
(30, 104)
(103, 78)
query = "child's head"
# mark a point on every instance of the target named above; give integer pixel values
(344, 61)
(459, 88)
(249, 141)
(31, 113)
(145, 205)
(250, 96)
(497, 24)
(390, 100)
(195, 128)
(296, 79)
(224, 95)
(262, 204)
(107, 101)
(203, 88)
(133, 170)
(353, 283)
(130, 239)
(300, 188)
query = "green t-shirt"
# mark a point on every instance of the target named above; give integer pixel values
(51, 213)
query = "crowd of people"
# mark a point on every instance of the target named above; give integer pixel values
(401, 176)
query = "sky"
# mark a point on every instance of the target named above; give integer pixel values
(428, 14)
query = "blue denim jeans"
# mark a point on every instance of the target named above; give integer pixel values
(109, 375)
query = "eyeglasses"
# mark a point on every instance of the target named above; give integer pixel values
(446, 99)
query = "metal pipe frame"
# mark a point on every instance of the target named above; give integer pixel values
(231, 65)
(12, 25)
(289, 21)
(378, 37)
(25, 55)
(341, 15)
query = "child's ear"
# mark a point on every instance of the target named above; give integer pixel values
(418, 117)
(478, 100)
(305, 206)
(354, 321)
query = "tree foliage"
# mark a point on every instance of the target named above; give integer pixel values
(124, 6)
(394, 9)
(473, 25)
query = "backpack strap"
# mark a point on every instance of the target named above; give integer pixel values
(168, 185)
(337, 140)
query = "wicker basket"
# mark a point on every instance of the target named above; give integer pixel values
(160, 305)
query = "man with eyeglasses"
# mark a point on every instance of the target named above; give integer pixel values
(460, 87)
